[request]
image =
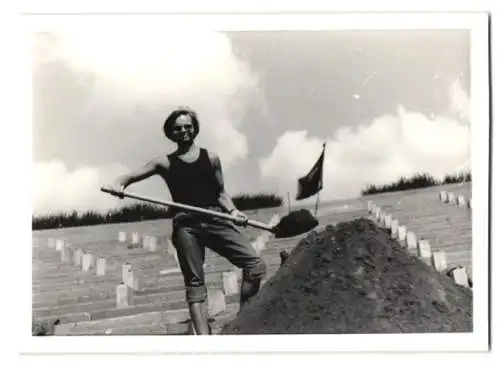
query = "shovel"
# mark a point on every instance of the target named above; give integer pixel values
(293, 224)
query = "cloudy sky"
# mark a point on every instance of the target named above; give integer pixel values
(388, 103)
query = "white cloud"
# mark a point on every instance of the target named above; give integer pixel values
(56, 189)
(459, 101)
(378, 153)
(133, 72)
(130, 82)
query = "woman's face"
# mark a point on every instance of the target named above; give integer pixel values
(183, 129)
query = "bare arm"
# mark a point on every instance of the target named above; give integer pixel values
(147, 170)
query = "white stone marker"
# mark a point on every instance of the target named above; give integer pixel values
(230, 283)
(122, 236)
(66, 254)
(77, 258)
(461, 201)
(129, 276)
(88, 261)
(51, 242)
(170, 247)
(136, 239)
(59, 245)
(124, 296)
(424, 249)
(411, 241)
(394, 229)
(153, 243)
(216, 302)
(402, 233)
(386, 222)
(451, 197)
(145, 242)
(101, 266)
(439, 261)
(460, 276)
(443, 196)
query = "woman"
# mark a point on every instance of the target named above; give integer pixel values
(194, 176)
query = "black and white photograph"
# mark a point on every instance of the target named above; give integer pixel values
(260, 176)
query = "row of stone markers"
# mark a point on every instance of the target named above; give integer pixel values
(418, 247)
(131, 281)
(149, 243)
(451, 198)
(85, 259)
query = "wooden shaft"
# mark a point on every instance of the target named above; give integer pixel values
(250, 222)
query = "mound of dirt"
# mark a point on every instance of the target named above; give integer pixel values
(352, 278)
(43, 328)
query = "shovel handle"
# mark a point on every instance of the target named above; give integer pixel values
(213, 213)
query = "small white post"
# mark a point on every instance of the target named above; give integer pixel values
(394, 229)
(101, 266)
(66, 254)
(88, 261)
(129, 276)
(124, 296)
(59, 245)
(439, 261)
(51, 242)
(387, 221)
(460, 276)
(411, 241)
(145, 242)
(424, 249)
(136, 239)
(153, 243)
(170, 248)
(216, 302)
(77, 258)
(230, 283)
(402, 233)
(122, 236)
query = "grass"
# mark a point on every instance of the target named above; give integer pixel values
(257, 201)
(140, 212)
(464, 176)
(417, 181)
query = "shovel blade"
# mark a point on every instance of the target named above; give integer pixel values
(295, 223)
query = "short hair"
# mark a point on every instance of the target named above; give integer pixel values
(169, 122)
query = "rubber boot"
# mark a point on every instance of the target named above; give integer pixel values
(249, 288)
(199, 317)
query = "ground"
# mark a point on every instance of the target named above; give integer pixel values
(352, 278)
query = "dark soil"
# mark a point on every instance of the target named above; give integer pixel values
(43, 328)
(352, 278)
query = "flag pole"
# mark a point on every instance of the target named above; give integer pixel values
(317, 196)
(289, 204)
(317, 204)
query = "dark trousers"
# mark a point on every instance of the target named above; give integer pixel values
(192, 232)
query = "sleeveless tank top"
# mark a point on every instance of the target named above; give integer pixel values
(193, 183)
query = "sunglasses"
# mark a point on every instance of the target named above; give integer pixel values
(180, 128)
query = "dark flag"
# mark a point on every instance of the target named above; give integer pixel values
(312, 183)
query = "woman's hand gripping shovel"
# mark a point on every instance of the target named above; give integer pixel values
(293, 224)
